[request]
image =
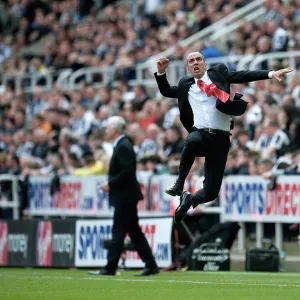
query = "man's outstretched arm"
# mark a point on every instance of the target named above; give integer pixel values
(164, 87)
(248, 76)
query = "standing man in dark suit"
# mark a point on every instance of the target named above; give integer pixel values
(205, 112)
(124, 194)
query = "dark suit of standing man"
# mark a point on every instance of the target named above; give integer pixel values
(124, 194)
(205, 112)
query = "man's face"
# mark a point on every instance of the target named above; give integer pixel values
(110, 133)
(196, 65)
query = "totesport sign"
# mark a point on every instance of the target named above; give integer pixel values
(247, 199)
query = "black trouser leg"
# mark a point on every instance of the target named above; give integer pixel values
(194, 146)
(118, 236)
(126, 221)
(215, 161)
(139, 240)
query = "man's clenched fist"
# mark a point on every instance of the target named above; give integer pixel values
(162, 64)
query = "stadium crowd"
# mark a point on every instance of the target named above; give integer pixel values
(62, 132)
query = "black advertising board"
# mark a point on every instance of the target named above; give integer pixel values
(209, 257)
(20, 243)
(211, 251)
(63, 243)
(55, 243)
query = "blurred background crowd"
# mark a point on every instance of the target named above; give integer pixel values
(62, 132)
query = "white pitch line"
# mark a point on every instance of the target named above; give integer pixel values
(3, 275)
(250, 274)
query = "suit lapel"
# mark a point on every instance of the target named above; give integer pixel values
(187, 83)
(185, 86)
(217, 79)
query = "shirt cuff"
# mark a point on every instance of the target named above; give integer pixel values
(270, 74)
(159, 74)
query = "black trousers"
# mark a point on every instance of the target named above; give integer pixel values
(214, 147)
(126, 220)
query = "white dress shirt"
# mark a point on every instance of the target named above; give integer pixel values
(204, 108)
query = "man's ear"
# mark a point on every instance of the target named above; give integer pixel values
(187, 69)
(205, 65)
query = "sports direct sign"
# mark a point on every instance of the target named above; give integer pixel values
(90, 234)
(247, 199)
(77, 196)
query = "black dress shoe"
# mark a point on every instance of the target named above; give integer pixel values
(148, 272)
(183, 207)
(176, 189)
(102, 272)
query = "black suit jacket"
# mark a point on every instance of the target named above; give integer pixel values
(122, 182)
(222, 77)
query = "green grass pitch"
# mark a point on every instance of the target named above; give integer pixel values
(44, 284)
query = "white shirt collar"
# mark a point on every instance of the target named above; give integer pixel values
(204, 78)
(115, 142)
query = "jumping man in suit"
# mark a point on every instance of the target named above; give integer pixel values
(124, 194)
(205, 112)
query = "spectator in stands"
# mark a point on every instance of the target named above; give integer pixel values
(40, 141)
(242, 141)
(253, 115)
(273, 10)
(36, 103)
(55, 167)
(272, 141)
(152, 163)
(130, 113)
(294, 88)
(30, 163)
(279, 36)
(5, 50)
(263, 47)
(264, 165)
(253, 167)
(39, 121)
(174, 140)
(82, 120)
(68, 143)
(145, 145)
(294, 133)
(148, 114)
(200, 19)
(140, 96)
(89, 165)
(24, 144)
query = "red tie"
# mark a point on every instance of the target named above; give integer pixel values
(212, 90)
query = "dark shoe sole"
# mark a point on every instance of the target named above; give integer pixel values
(173, 194)
(176, 211)
(176, 222)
